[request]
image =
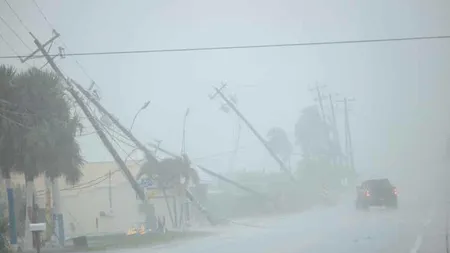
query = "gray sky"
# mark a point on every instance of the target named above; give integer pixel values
(400, 118)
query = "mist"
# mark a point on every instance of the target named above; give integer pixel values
(399, 117)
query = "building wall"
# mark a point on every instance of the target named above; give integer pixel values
(82, 203)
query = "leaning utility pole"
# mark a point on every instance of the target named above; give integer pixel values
(123, 129)
(89, 115)
(106, 142)
(212, 173)
(335, 128)
(348, 136)
(260, 138)
(140, 145)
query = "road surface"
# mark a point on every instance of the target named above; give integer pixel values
(417, 226)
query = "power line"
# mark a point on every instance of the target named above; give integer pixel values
(43, 15)
(11, 47)
(261, 46)
(82, 186)
(17, 35)
(7, 44)
(51, 26)
(17, 15)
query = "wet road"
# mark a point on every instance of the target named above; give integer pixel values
(417, 226)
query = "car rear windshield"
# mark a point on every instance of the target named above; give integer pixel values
(379, 183)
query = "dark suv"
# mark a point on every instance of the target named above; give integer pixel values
(376, 192)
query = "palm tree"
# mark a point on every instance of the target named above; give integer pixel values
(170, 173)
(45, 141)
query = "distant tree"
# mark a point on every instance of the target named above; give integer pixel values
(279, 142)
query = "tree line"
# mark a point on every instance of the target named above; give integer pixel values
(315, 138)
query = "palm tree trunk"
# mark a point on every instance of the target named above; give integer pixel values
(28, 240)
(11, 209)
(168, 205)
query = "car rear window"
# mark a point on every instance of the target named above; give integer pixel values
(379, 183)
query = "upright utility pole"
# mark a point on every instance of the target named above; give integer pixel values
(260, 138)
(333, 114)
(335, 128)
(319, 99)
(183, 141)
(348, 135)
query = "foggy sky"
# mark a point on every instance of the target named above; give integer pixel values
(400, 118)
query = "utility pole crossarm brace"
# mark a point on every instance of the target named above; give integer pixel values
(43, 46)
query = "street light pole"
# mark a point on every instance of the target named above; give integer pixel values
(183, 141)
(137, 113)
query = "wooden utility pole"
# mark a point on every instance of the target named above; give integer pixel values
(115, 121)
(141, 146)
(212, 173)
(319, 99)
(106, 142)
(260, 138)
(90, 117)
(335, 128)
(348, 135)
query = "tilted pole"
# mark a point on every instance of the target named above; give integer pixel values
(141, 146)
(260, 138)
(212, 173)
(148, 154)
(93, 122)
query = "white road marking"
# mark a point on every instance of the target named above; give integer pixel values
(429, 218)
(419, 238)
(417, 244)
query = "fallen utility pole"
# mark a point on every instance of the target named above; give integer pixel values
(141, 146)
(212, 173)
(260, 138)
(91, 118)
(148, 154)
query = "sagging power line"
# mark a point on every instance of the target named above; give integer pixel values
(260, 46)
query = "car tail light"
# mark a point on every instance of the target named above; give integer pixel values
(367, 194)
(395, 191)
